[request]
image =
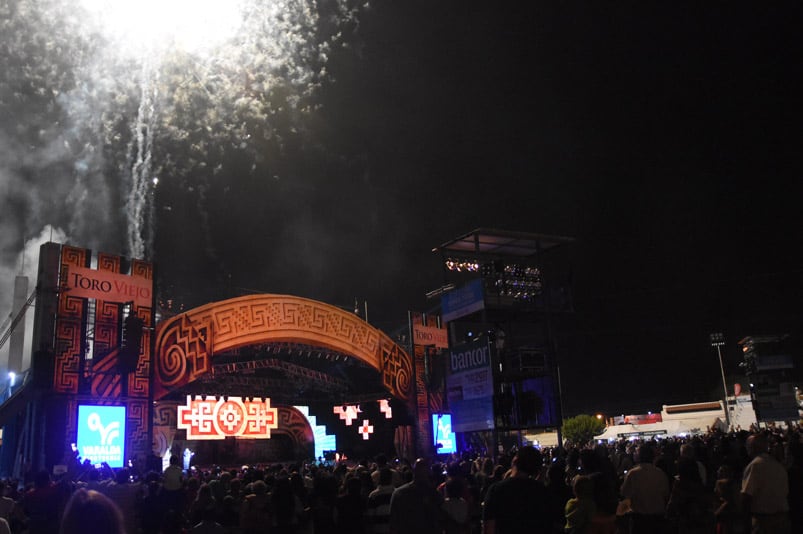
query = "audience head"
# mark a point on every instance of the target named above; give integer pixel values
(645, 454)
(687, 450)
(756, 444)
(87, 506)
(583, 487)
(528, 460)
(688, 470)
(421, 471)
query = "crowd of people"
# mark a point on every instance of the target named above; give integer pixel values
(733, 483)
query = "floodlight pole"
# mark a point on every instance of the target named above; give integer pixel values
(717, 340)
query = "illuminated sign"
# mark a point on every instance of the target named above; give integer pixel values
(430, 336)
(347, 412)
(463, 301)
(105, 285)
(442, 434)
(384, 407)
(101, 434)
(469, 386)
(366, 429)
(223, 417)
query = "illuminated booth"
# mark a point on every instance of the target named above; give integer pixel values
(505, 302)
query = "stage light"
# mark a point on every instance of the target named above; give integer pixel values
(459, 265)
(513, 280)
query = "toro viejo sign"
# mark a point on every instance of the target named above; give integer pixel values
(108, 286)
(430, 336)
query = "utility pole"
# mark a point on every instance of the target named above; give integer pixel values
(718, 340)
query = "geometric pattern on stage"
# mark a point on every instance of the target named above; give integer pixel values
(98, 380)
(222, 417)
(186, 343)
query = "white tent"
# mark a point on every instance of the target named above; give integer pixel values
(675, 428)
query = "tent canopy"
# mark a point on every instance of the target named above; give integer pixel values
(679, 427)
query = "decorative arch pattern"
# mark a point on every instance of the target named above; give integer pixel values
(186, 343)
(294, 424)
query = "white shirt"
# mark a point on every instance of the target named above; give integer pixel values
(767, 483)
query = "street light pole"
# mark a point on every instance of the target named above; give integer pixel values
(717, 340)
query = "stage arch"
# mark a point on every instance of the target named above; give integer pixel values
(187, 343)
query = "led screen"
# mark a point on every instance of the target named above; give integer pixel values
(443, 436)
(101, 434)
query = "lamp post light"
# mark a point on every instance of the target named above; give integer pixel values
(718, 340)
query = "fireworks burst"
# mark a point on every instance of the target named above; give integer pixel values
(100, 101)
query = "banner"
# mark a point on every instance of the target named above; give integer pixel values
(469, 387)
(108, 286)
(462, 301)
(430, 336)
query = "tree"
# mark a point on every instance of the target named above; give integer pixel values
(582, 428)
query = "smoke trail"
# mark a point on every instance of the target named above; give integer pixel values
(139, 207)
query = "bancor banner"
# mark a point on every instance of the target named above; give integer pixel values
(469, 386)
(105, 285)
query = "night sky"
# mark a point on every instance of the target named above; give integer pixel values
(664, 138)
